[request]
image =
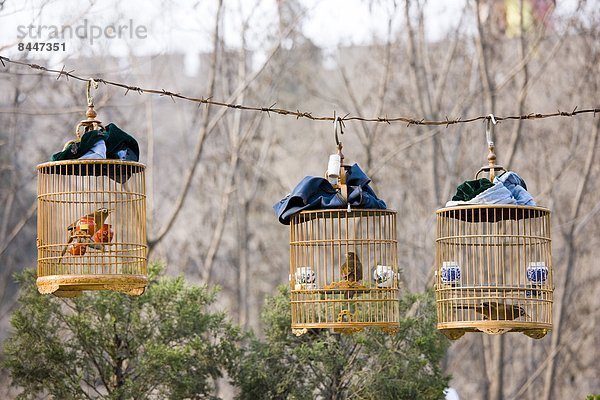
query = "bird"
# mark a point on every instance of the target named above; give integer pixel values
(351, 270)
(496, 310)
(87, 224)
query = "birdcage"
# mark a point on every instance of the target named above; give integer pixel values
(493, 268)
(343, 264)
(91, 227)
(344, 270)
(91, 224)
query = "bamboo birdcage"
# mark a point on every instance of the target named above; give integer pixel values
(91, 225)
(344, 265)
(493, 268)
(327, 290)
(107, 257)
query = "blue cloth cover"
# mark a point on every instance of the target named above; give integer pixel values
(98, 151)
(517, 187)
(314, 192)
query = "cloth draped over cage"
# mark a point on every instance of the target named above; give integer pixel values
(508, 188)
(110, 143)
(314, 192)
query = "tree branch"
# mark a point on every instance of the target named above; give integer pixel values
(570, 263)
(204, 129)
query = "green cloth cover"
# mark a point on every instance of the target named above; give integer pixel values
(469, 189)
(120, 140)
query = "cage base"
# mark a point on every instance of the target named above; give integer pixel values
(454, 331)
(301, 329)
(73, 285)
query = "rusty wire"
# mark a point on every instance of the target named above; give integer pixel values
(298, 114)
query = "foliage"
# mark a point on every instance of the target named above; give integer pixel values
(369, 365)
(164, 344)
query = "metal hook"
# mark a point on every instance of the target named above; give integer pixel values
(489, 135)
(489, 129)
(338, 121)
(91, 123)
(90, 99)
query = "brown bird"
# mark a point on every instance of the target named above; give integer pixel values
(84, 228)
(495, 310)
(351, 270)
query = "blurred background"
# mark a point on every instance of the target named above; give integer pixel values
(214, 173)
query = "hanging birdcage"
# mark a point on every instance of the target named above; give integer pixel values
(343, 265)
(91, 225)
(493, 267)
(344, 270)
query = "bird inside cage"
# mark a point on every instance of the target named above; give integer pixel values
(498, 311)
(351, 271)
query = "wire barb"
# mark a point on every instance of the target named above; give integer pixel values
(62, 71)
(298, 114)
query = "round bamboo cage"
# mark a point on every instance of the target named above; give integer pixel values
(91, 227)
(344, 270)
(494, 270)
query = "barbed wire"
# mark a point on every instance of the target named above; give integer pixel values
(297, 113)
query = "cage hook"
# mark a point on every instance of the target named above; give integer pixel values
(90, 99)
(489, 129)
(338, 121)
(336, 172)
(91, 123)
(489, 135)
(491, 157)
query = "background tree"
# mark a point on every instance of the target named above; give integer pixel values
(164, 344)
(367, 365)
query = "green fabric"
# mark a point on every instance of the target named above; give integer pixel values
(120, 140)
(469, 189)
(76, 149)
(115, 140)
